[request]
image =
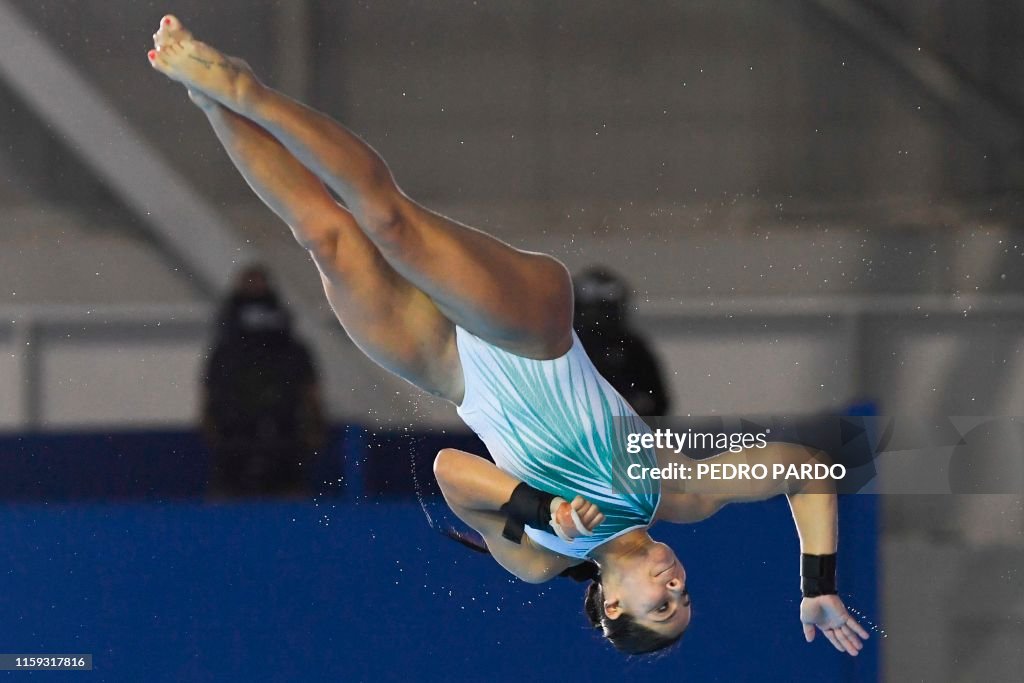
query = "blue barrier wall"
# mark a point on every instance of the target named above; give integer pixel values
(346, 592)
(362, 589)
(176, 464)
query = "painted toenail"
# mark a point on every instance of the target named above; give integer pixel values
(167, 21)
(152, 55)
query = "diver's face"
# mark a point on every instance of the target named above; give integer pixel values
(650, 587)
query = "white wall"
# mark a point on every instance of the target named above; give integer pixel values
(755, 366)
(102, 382)
(122, 368)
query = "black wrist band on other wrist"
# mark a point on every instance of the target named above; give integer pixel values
(526, 506)
(818, 575)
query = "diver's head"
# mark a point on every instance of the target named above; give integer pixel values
(639, 601)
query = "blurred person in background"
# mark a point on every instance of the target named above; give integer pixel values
(261, 410)
(601, 319)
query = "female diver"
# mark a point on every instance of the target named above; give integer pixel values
(466, 317)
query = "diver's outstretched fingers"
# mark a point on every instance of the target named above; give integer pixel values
(831, 635)
(851, 637)
(857, 628)
(846, 639)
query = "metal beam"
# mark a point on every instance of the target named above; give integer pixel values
(978, 113)
(293, 42)
(169, 207)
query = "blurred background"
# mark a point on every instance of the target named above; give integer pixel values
(814, 206)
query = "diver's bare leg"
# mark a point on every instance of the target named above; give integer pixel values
(519, 300)
(393, 322)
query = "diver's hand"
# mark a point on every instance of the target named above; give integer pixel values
(828, 613)
(589, 515)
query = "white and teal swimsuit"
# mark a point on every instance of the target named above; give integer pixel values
(560, 427)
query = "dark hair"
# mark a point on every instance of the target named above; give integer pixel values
(624, 633)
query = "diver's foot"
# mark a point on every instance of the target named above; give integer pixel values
(202, 100)
(198, 66)
(170, 31)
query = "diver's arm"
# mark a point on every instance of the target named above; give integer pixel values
(526, 560)
(715, 491)
(816, 514)
(701, 495)
(475, 489)
(813, 503)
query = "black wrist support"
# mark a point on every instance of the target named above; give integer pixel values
(818, 575)
(526, 506)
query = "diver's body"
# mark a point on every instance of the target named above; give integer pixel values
(557, 425)
(420, 294)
